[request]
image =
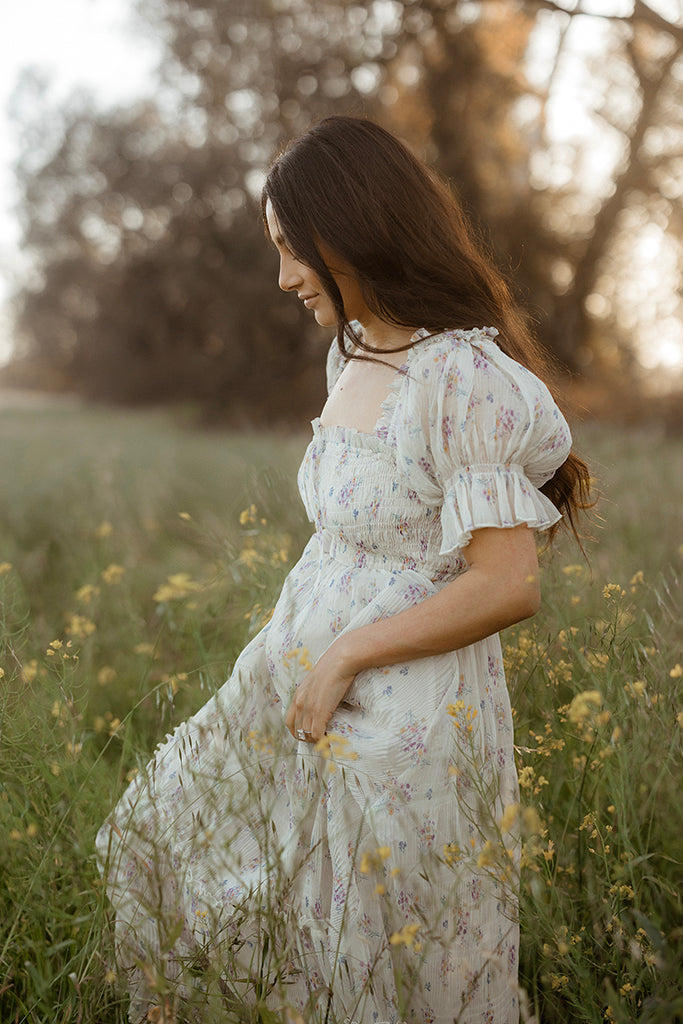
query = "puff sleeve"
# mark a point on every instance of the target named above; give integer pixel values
(478, 434)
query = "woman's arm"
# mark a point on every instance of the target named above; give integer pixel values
(499, 588)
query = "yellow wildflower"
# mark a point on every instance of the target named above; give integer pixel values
(487, 855)
(5, 567)
(572, 570)
(559, 981)
(178, 586)
(532, 821)
(625, 891)
(452, 853)
(144, 649)
(16, 835)
(104, 530)
(333, 745)
(80, 626)
(249, 556)
(185, 515)
(32, 830)
(113, 573)
(405, 936)
(371, 860)
(461, 720)
(260, 742)
(87, 593)
(584, 705)
(248, 516)
(597, 659)
(29, 671)
(676, 672)
(106, 675)
(510, 814)
(174, 681)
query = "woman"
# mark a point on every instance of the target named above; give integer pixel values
(346, 870)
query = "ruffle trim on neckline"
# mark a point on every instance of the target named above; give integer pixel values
(339, 433)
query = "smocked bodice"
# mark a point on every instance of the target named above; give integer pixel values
(465, 438)
(365, 512)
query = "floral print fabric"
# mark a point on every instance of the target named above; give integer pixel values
(359, 834)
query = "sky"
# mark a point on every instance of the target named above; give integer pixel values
(98, 45)
(92, 44)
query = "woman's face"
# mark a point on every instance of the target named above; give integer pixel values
(299, 277)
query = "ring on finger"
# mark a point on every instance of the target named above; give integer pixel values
(301, 734)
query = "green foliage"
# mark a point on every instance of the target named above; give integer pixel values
(137, 559)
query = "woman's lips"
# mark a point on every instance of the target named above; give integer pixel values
(310, 299)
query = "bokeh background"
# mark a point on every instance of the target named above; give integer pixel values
(140, 551)
(138, 132)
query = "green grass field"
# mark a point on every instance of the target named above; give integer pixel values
(137, 555)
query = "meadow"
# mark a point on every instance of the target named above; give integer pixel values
(137, 556)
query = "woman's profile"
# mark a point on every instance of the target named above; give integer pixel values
(319, 836)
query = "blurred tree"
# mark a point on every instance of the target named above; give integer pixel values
(602, 298)
(152, 275)
(153, 278)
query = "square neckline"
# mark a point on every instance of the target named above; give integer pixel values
(341, 431)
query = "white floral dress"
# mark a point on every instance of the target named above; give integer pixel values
(368, 856)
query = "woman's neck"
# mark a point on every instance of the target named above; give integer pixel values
(388, 337)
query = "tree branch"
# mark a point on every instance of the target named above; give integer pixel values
(642, 13)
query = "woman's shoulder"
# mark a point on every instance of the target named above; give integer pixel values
(463, 360)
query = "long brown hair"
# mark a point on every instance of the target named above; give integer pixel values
(352, 187)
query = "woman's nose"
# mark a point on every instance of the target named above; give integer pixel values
(290, 274)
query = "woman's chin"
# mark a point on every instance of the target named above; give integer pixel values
(324, 319)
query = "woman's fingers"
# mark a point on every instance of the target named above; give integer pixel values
(316, 698)
(299, 719)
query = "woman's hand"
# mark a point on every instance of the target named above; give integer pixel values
(499, 588)
(317, 698)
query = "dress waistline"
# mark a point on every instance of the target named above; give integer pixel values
(341, 550)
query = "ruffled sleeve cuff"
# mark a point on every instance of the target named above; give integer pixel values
(491, 495)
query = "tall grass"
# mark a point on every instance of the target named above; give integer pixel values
(136, 559)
